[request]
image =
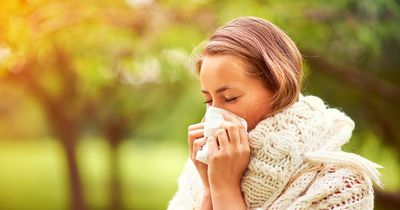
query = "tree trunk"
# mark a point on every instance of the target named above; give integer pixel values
(66, 130)
(114, 131)
(115, 187)
(76, 190)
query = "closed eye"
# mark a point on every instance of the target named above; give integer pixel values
(225, 99)
(230, 99)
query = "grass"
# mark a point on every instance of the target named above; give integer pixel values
(33, 174)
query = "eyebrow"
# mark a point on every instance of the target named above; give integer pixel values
(221, 89)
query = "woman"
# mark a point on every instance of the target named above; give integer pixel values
(291, 158)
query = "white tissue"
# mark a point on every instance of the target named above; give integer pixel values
(212, 122)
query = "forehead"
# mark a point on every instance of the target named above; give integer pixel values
(222, 70)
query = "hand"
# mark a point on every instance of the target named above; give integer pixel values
(196, 140)
(229, 155)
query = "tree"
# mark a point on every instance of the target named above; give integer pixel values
(82, 82)
(81, 61)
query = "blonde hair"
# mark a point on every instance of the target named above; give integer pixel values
(266, 50)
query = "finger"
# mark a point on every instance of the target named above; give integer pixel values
(232, 131)
(244, 137)
(212, 145)
(242, 130)
(196, 126)
(231, 118)
(193, 135)
(197, 145)
(222, 138)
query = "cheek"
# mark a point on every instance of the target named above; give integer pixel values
(252, 118)
(251, 108)
(242, 110)
(246, 113)
(255, 113)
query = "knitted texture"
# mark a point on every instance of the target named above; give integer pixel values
(296, 163)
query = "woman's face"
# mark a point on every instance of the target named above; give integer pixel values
(226, 84)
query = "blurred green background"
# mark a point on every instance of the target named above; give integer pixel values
(96, 95)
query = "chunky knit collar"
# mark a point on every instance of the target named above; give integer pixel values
(306, 119)
(296, 162)
(304, 134)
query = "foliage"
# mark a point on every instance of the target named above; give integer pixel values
(117, 70)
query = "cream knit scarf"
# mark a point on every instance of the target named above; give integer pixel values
(296, 163)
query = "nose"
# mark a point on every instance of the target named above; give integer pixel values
(216, 105)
